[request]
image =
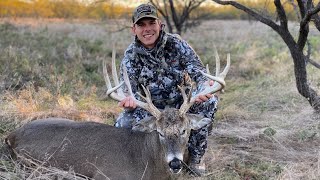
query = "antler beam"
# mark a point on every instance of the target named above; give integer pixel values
(117, 94)
(217, 86)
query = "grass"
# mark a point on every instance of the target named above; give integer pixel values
(264, 129)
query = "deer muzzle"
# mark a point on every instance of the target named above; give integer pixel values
(175, 165)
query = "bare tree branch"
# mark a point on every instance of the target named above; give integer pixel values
(177, 12)
(164, 12)
(254, 14)
(173, 13)
(315, 64)
(281, 14)
(296, 9)
(316, 18)
(309, 14)
(304, 27)
(302, 8)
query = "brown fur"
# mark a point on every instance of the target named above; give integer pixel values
(101, 151)
(89, 147)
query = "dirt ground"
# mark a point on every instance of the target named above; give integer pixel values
(271, 146)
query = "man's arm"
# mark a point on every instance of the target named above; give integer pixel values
(193, 65)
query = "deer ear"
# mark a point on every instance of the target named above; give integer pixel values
(197, 121)
(147, 124)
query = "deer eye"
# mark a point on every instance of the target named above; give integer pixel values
(161, 135)
(183, 132)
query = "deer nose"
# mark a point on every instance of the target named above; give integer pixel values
(175, 165)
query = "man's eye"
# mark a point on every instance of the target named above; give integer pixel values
(140, 24)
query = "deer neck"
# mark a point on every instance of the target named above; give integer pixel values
(155, 152)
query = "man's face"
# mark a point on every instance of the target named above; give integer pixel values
(147, 30)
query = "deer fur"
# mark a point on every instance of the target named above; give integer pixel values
(95, 150)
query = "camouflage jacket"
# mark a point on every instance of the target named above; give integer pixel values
(162, 68)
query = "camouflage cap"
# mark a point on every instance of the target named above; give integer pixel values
(142, 11)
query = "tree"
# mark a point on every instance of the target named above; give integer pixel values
(42, 8)
(177, 13)
(68, 8)
(307, 12)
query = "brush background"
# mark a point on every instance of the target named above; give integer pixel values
(263, 130)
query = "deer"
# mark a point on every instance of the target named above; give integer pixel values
(153, 149)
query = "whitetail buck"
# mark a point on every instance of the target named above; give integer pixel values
(101, 151)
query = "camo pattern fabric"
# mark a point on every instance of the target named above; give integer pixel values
(161, 69)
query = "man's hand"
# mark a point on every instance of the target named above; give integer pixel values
(203, 98)
(128, 102)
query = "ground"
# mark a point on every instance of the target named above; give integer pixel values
(263, 129)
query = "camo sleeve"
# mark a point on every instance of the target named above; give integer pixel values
(192, 63)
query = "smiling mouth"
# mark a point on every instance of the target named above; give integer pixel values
(148, 35)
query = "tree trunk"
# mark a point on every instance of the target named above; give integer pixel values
(295, 47)
(302, 84)
(300, 66)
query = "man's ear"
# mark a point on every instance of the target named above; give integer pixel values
(147, 124)
(133, 29)
(197, 121)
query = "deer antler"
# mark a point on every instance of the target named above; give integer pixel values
(119, 95)
(219, 84)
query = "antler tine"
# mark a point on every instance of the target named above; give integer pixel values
(149, 106)
(119, 96)
(114, 72)
(226, 69)
(114, 68)
(219, 80)
(105, 74)
(127, 81)
(222, 75)
(110, 91)
(217, 62)
(207, 68)
(186, 100)
(218, 85)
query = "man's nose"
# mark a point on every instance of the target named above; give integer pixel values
(147, 28)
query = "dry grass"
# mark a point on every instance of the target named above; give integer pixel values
(13, 169)
(30, 104)
(264, 128)
(269, 146)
